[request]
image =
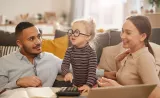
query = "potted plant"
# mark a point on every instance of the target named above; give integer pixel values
(156, 4)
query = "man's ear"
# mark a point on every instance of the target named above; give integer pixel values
(143, 37)
(19, 43)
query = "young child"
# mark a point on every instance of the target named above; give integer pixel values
(81, 56)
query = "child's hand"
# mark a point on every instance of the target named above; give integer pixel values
(84, 88)
(68, 77)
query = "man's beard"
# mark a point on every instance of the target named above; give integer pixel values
(28, 51)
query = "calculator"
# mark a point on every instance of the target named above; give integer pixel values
(58, 83)
(68, 91)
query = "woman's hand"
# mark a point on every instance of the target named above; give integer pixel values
(122, 55)
(104, 82)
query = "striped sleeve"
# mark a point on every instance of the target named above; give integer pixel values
(92, 69)
(66, 62)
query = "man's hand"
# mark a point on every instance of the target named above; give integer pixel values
(68, 77)
(110, 75)
(84, 88)
(31, 81)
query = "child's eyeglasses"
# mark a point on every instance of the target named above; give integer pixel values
(76, 33)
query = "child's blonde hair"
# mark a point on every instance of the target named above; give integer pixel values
(89, 24)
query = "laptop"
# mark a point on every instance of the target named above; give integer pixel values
(131, 91)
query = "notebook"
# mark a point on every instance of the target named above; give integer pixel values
(31, 92)
(131, 91)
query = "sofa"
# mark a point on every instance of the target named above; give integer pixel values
(60, 42)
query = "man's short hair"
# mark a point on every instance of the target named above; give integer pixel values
(21, 26)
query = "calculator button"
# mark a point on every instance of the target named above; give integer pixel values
(68, 91)
(75, 89)
(63, 89)
(72, 89)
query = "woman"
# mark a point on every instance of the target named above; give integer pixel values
(139, 63)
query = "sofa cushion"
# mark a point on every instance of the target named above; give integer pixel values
(101, 40)
(156, 49)
(107, 60)
(155, 36)
(58, 46)
(7, 39)
(114, 36)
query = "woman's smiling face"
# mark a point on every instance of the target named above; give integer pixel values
(130, 36)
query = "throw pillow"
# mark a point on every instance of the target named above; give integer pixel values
(58, 46)
(0, 51)
(107, 60)
(4, 50)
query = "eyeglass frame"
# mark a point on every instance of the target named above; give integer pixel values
(73, 32)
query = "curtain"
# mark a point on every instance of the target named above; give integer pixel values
(77, 9)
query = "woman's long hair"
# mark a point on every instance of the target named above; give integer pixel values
(143, 25)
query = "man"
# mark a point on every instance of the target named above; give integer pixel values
(28, 67)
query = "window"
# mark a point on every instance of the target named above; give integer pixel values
(107, 13)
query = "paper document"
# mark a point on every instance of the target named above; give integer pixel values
(31, 92)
